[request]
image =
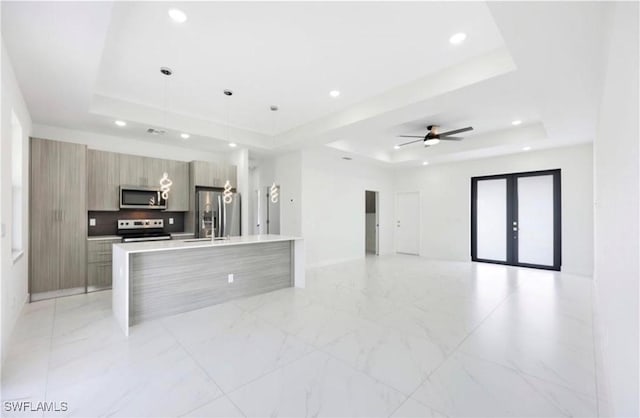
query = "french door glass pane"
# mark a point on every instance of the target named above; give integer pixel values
(535, 218)
(491, 215)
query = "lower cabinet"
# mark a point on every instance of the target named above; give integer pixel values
(99, 264)
(99, 276)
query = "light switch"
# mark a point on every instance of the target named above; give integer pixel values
(170, 221)
(92, 221)
(231, 278)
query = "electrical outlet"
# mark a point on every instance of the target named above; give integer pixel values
(170, 221)
(230, 277)
(92, 221)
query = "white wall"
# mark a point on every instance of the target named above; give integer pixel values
(288, 174)
(13, 276)
(240, 159)
(445, 191)
(617, 255)
(333, 195)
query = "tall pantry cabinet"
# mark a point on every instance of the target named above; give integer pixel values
(58, 219)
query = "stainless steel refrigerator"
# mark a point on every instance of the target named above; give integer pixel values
(214, 217)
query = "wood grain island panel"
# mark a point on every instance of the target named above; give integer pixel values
(184, 280)
(160, 278)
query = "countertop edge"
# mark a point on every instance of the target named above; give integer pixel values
(205, 244)
(114, 237)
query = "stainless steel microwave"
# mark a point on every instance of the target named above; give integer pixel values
(136, 197)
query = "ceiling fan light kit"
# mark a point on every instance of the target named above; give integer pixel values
(433, 136)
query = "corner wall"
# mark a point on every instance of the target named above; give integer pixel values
(445, 193)
(617, 213)
(333, 196)
(13, 275)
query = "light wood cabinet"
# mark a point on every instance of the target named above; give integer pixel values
(103, 171)
(179, 195)
(58, 217)
(212, 174)
(44, 274)
(99, 254)
(229, 172)
(132, 170)
(153, 168)
(107, 171)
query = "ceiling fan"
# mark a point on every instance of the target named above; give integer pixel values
(433, 136)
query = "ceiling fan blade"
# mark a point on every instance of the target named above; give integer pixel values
(411, 142)
(452, 138)
(411, 136)
(456, 131)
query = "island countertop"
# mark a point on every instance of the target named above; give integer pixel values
(152, 279)
(177, 244)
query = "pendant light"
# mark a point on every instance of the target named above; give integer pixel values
(227, 194)
(165, 181)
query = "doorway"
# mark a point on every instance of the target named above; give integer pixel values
(372, 224)
(408, 223)
(516, 219)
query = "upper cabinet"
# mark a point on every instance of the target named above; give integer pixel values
(107, 171)
(132, 170)
(179, 195)
(153, 168)
(103, 180)
(213, 174)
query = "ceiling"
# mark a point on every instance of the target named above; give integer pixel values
(82, 65)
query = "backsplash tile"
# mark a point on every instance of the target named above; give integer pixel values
(107, 221)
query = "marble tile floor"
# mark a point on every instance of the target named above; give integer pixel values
(390, 336)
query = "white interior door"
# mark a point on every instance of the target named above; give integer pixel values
(408, 223)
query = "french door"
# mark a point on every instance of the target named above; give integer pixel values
(516, 219)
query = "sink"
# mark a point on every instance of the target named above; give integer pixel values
(205, 239)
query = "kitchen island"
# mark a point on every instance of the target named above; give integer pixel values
(158, 278)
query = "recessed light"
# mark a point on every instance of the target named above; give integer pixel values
(185, 136)
(177, 15)
(233, 144)
(274, 108)
(334, 93)
(526, 148)
(396, 147)
(516, 122)
(120, 123)
(425, 163)
(458, 38)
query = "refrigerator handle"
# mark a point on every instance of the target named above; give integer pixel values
(224, 219)
(220, 217)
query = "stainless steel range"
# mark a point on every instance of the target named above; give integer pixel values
(135, 230)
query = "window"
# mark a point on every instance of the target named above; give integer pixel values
(16, 186)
